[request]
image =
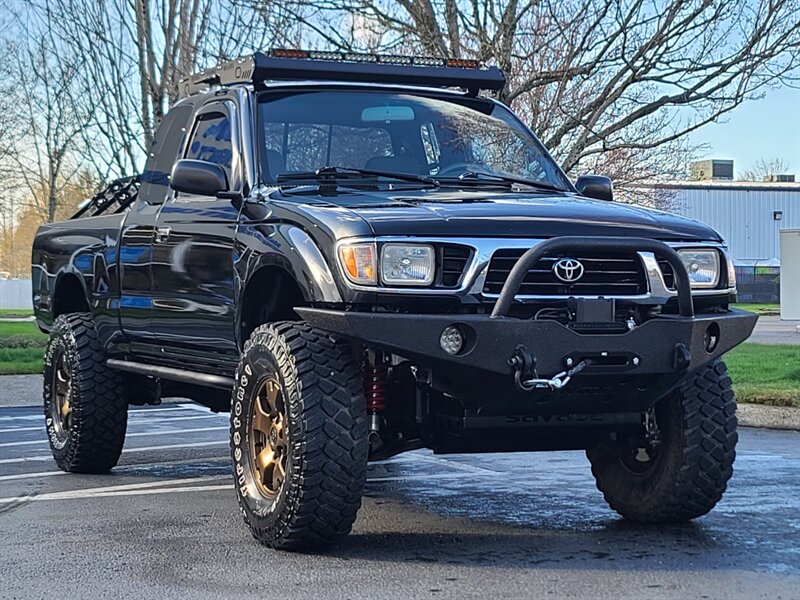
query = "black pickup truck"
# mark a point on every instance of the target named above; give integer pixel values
(362, 255)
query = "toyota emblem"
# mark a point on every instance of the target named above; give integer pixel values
(568, 270)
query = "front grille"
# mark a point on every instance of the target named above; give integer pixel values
(605, 274)
(668, 273)
(453, 261)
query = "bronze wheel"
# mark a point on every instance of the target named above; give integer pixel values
(85, 406)
(298, 436)
(268, 437)
(61, 407)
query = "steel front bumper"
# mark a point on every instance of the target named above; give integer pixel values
(666, 345)
(670, 344)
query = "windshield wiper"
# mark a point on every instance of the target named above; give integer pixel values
(335, 174)
(497, 179)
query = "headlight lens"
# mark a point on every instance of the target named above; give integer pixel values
(407, 264)
(702, 266)
(358, 262)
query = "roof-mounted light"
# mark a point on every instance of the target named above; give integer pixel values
(289, 53)
(463, 63)
(384, 59)
(286, 64)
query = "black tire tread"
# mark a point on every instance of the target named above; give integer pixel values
(99, 401)
(708, 440)
(332, 476)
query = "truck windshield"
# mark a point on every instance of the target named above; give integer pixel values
(450, 139)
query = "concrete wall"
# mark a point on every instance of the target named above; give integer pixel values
(16, 293)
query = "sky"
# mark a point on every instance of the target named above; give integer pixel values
(766, 128)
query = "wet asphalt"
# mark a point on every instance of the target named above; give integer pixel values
(165, 525)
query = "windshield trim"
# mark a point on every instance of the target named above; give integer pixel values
(459, 98)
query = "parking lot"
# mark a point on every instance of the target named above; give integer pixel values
(165, 525)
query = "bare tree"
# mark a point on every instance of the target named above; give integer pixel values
(592, 77)
(763, 168)
(40, 155)
(133, 54)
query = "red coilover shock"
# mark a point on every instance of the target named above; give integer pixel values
(376, 383)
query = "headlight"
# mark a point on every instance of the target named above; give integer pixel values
(702, 266)
(407, 264)
(358, 262)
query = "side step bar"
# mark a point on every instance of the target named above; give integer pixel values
(204, 379)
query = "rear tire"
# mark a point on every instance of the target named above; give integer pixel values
(85, 408)
(688, 472)
(298, 436)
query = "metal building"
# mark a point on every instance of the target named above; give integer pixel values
(750, 217)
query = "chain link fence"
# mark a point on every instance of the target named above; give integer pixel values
(758, 283)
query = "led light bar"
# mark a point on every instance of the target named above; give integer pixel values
(384, 59)
(287, 64)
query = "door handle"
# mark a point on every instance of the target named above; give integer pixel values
(162, 234)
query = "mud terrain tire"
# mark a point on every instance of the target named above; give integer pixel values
(85, 407)
(690, 469)
(298, 436)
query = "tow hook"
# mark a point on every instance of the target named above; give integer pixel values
(527, 379)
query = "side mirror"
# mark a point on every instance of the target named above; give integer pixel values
(198, 177)
(595, 186)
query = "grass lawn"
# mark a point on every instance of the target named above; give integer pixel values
(21, 347)
(766, 374)
(27, 329)
(759, 308)
(15, 312)
(18, 361)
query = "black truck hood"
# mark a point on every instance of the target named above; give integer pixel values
(481, 213)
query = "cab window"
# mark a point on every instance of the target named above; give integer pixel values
(211, 141)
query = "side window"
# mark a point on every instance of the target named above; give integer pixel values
(167, 145)
(211, 141)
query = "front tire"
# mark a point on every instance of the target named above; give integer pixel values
(686, 474)
(85, 408)
(298, 436)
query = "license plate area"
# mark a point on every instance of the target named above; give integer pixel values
(604, 361)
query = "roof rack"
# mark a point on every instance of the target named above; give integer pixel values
(348, 66)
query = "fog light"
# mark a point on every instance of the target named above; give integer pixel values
(452, 340)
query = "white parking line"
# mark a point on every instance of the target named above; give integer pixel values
(137, 434)
(32, 475)
(178, 408)
(115, 489)
(46, 457)
(450, 463)
(137, 492)
(36, 417)
(173, 486)
(415, 477)
(136, 422)
(120, 470)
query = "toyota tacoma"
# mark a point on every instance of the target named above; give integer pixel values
(362, 255)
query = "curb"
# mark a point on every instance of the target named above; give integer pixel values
(768, 417)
